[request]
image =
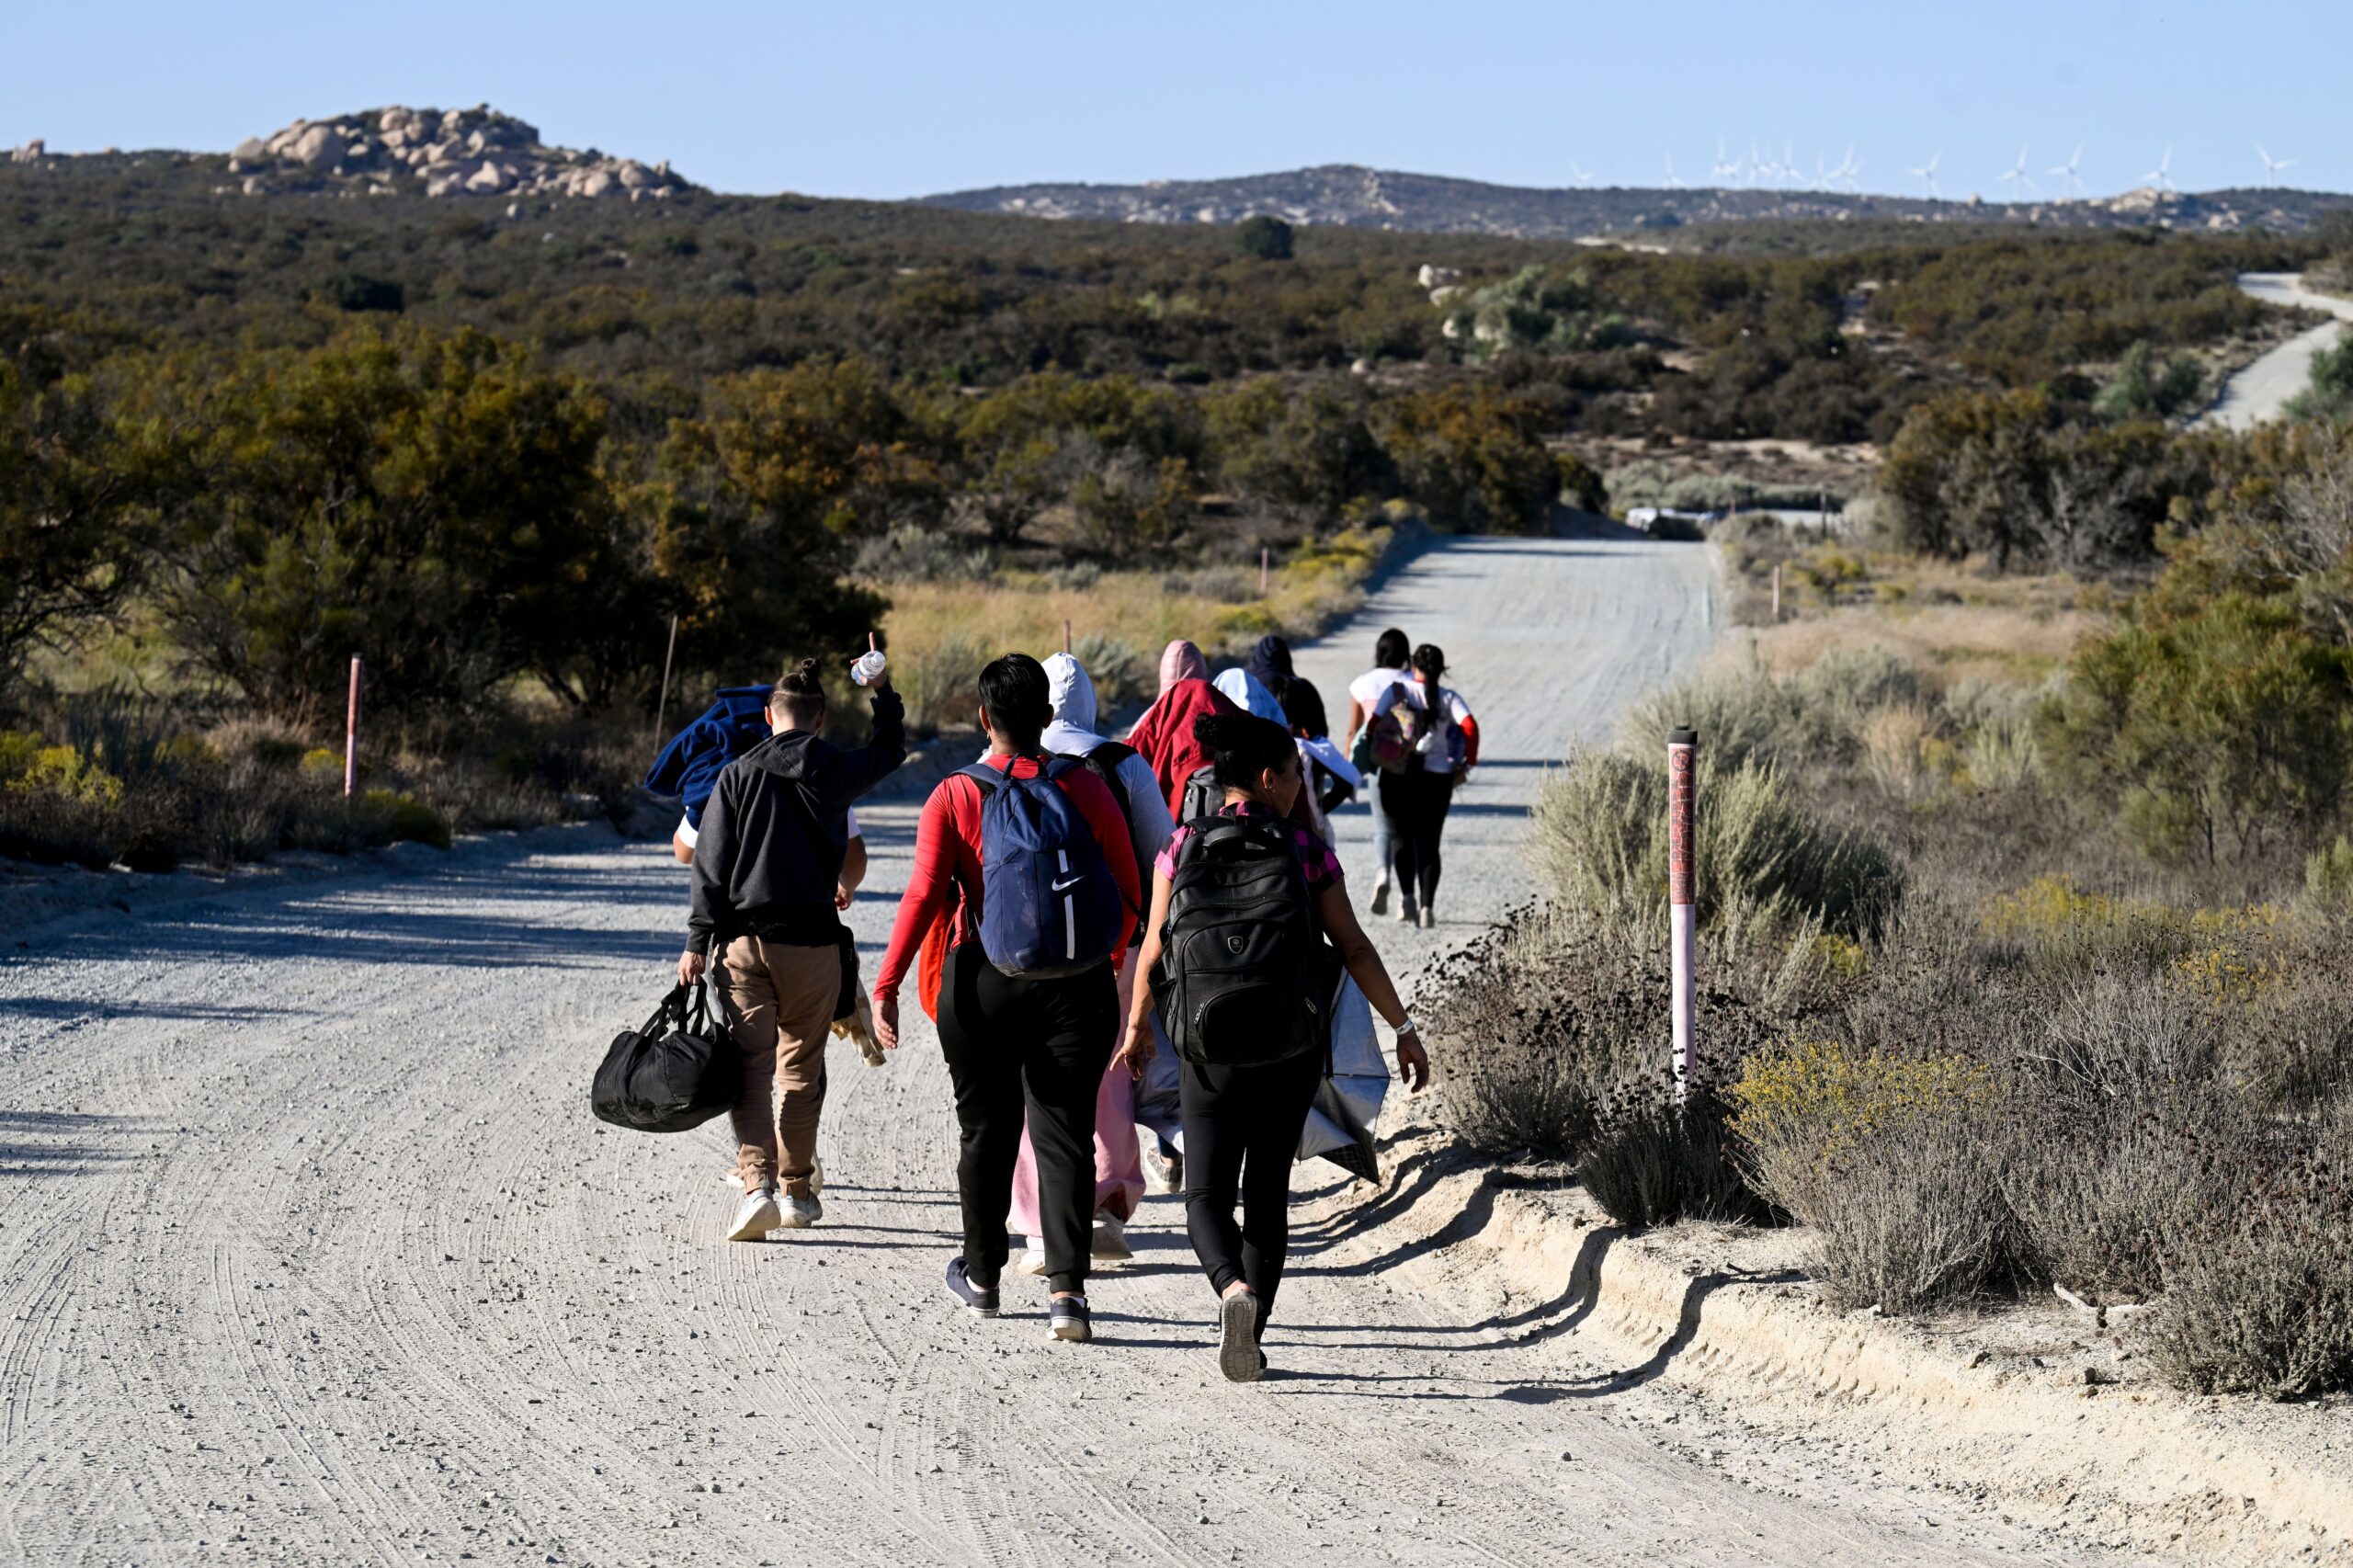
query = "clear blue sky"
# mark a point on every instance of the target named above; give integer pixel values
(865, 98)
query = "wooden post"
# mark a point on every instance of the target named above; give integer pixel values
(1682, 754)
(1265, 569)
(1065, 634)
(1776, 593)
(662, 704)
(351, 734)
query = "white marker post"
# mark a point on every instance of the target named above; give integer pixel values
(351, 734)
(1682, 758)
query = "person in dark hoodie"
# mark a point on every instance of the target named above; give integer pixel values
(766, 871)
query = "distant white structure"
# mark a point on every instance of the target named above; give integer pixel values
(31, 152)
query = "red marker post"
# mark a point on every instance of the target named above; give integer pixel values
(351, 734)
(1682, 767)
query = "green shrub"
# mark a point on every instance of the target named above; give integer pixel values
(1266, 238)
(1652, 1162)
(1473, 459)
(2328, 395)
(1762, 864)
(1118, 671)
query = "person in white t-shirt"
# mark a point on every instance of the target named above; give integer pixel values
(1366, 693)
(1446, 748)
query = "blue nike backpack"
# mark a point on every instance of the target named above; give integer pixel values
(1048, 904)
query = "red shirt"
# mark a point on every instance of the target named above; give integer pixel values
(947, 875)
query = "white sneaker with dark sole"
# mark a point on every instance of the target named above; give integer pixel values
(1237, 1338)
(756, 1217)
(1031, 1261)
(798, 1213)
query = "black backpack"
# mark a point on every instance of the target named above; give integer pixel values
(1242, 971)
(678, 1072)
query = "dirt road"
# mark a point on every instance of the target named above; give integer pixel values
(309, 1252)
(2260, 391)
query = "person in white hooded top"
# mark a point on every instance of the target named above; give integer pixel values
(1118, 1159)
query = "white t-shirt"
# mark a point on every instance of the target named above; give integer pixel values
(1367, 687)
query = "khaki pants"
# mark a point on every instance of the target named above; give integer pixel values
(778, 1003)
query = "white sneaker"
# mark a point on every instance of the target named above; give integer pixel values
(756, 1217)
(799, 1213)
(1110, 1241)
(1163, 1172)
(1032, 1259)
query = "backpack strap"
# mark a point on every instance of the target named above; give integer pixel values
(981, 773)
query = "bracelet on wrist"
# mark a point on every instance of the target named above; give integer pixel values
(1409, 1026)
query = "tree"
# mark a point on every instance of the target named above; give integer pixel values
(74, 531)
(1473, 459)
(1032, 444)
(2144, 389)
(2330, 394)
(755, 505)
(1267, 238)
(432, 503)
(1305, 451)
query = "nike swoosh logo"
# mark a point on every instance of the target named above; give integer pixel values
(1065, 887)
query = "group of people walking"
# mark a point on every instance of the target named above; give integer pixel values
(1083, 914)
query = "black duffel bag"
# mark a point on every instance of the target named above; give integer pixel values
(678, 1072)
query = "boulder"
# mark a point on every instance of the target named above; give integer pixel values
(633, 175)
(595, 182)
(252, 149)
(1439, 276)
(317, 148)
(489, 179)
(1445, 291)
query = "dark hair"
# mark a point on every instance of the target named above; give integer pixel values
(1017, 698)
(1303, 706)
(1429, 663)
(1243, 746)
(800, 696)
(1389, 653)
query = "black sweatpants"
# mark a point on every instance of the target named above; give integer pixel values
(1416, 801)
(1034, 1045)
(1242, 1126)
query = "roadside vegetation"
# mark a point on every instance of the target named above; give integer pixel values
(242, 439)
(2027, 904)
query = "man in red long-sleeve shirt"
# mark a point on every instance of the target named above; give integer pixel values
(1013, 1044)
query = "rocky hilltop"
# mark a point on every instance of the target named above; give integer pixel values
(1350, 196)
(468, 152)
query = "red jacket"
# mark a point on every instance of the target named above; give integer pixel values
(1164, 736)
(946, 880)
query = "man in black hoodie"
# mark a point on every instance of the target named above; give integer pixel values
(765, 867)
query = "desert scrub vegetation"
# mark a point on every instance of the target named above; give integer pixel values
(2066, 1051)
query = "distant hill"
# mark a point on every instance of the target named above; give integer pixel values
(1348, 196)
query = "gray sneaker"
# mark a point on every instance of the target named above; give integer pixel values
(1381, 896)
(1070, 1321)
(799, 1213)
(1237, 1339)
(757, 1216)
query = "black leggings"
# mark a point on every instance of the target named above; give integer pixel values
(1034, 1045)
(1242, 1126)
(1416, 801)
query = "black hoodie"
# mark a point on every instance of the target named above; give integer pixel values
(770, 851)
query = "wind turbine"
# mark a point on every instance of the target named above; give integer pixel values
(2066, 172)
(2162, 175)
(1847, 171)
(1926, 176)
(1583, 176)
(1672, 183)
(2017, 171)
(2272, 166)
(1790, 164)
(1757, 165)
(1724, 171)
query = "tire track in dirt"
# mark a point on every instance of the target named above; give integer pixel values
(367, 1095)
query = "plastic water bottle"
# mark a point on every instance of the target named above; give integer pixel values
(867, 668)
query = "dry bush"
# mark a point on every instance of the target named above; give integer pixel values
(2259, 1291)
(1915, 1218)
(1652, 1162)
(1893, 739)
(1762, 863)
(1548, 1019)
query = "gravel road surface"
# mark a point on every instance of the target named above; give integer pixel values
(2261, 389)
(310, 1251)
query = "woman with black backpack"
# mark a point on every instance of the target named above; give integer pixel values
(1250, 931)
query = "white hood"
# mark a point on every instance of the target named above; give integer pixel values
(1072, 733)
